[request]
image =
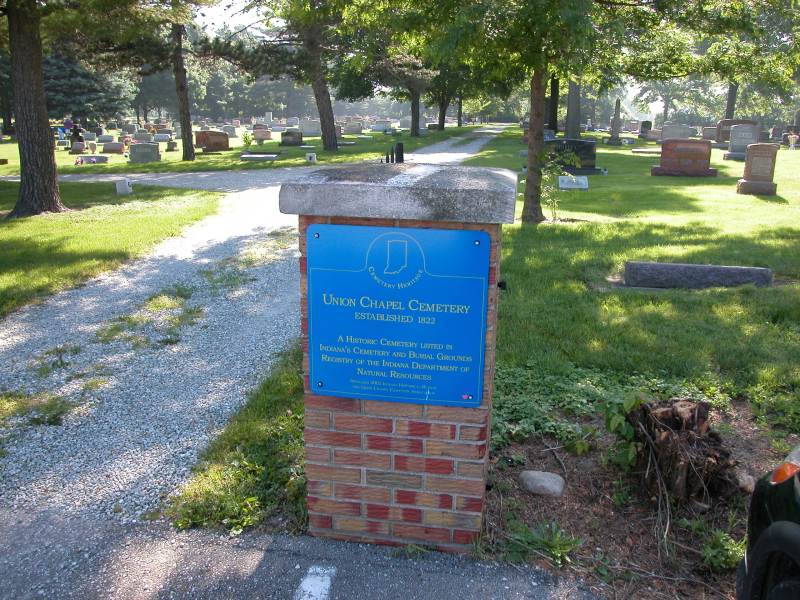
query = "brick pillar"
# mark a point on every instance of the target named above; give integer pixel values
(394, 472)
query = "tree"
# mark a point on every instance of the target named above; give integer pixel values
(74, 90)
(38, 190)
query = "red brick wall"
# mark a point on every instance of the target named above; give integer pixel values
(397, 473)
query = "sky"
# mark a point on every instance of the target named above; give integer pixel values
(227, 13)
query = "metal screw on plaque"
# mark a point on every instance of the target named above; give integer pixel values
(477, 242)
(316, 235)
(319, 384)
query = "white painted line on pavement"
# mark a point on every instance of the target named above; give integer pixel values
(316, 584)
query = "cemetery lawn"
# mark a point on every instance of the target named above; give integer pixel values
(572, 346)
(363, 150)
(43, 254)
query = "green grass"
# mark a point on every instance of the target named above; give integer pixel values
(363, 150)
(43, 254)
(559, 313)
(254, 469)
(41, 409)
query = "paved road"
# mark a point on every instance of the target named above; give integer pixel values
(58, 537)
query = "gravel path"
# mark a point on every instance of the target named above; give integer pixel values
(146, 408)
(151, 385)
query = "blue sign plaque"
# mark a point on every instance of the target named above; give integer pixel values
(397, 314)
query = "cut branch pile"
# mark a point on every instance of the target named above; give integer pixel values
(681, 455)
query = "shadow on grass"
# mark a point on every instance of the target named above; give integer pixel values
(745, 335)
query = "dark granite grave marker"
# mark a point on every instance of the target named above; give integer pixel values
(585, 150)
(292, 137)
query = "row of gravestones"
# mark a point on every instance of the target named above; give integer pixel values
(692, 158)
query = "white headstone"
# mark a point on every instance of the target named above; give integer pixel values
(573, 182)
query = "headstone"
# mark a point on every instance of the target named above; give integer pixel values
(113, 148)
(724, 128)
(292, 121)
(144, 152)
(775, 133)
(759, 171)
(310, 128)
(398, 318)
(165, 131)
(230, 130)
(200, 139)
(633, 125)
(677, 132)
(172, 146)
(584, 150)
(291, 137)
(382, 125)
(616, 123)
(94, 160)
(216, 141)
(142, 136)
(89, 136)
(268, 117)
(236, 122)
(261, 135)
(130, 128)
(112, 125)
(62, 144)
(741, 136)
(259, 157)
(162, 137)
(709, 133)
(654, 135)
(105, 138)
(644, 129)
(685, 158)
(78, 148)
(573, 182)
(405, 123)
(260, 126)
(693, 276)
(124, 187)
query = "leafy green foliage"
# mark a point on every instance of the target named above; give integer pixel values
(546, 540)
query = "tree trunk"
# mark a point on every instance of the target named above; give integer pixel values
(574, 110)
(553, 115)
(667, 102)
(327, 123)
(38, 190)
(182, 90)
(414, 113)
(730, 103)
(532, 206)
(461, 112)
(444, 104)
(797, 119)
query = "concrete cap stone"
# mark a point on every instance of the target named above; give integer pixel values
(410, 191)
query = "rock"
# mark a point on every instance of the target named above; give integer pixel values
(542, 483)
(747, 483)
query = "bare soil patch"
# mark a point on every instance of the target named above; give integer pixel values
(622, 553)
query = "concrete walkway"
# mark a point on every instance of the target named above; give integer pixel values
(72, 495)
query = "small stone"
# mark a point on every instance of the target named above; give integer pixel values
(542, 483)
(746, 482)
